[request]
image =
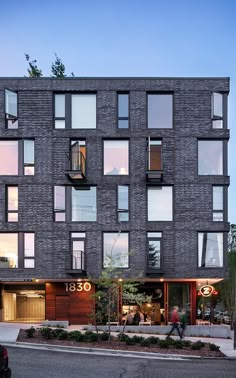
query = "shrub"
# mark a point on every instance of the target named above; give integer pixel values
(214, 347)
(138, 339)
(62, 335)
(187, 343)
(123, 337)
(104, 336)
(91, 337)
(56, 332)
(197, 345)
(170, 341)
(164, 344)
(46, 332)
(178, 344)
(30, 332)
(73, 335)
(80, 338)
(153, 340)
(145, 342)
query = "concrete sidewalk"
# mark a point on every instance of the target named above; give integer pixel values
(9, 333)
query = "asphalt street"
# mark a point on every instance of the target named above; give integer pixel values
(31, 363)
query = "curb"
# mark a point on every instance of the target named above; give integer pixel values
(111, 352)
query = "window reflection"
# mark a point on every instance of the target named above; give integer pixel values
(8, 250)
(11, 109)
(8, 157)
(83, 111)
(160, 111)
(12, 204)
(84, 204)
(116, 157)
(115, 250)
(210, 157)
(210, 249)
(160, 203)
(123, 203)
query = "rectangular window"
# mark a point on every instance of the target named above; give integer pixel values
(160, 203)
(13, 153)
(60, 113)
(154, 250)
(116, 250)
(210, 249)
(217, 110)
(218, 203)
(12, 203)
(59, 204)
(154, 155)
(11, 109)
(84, 204)
(78, 155)
(160, 111)
(78, 250)
(28, 157)
(210, 157)
(8, 157)
(83, 111)
(123, 110)
(29, 254)
(123, 203)
(116, 157)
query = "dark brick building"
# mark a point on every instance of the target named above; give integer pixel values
(94, 169)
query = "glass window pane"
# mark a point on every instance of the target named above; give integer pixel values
(12, 217)
(60, 106)
(29, 263)
(115, 250)
(217, 124)
(210, 157)
(218, 217)
(123, 105)
(78, 235)
(154, 254)
(160, 111)
(8, 157)
(84, 205)
(123, 197)
(59, 198)
(116, 157)
(217, 197)
(11, 103)
(123, 123)
(83, 111)
(210, 249)
(28, 171)
(59, 124)
(160, 203)
(12, 124)
(12, 195)
(78, 254)
(28, 151)
(154, 234)
(8, 250)
(217, 105)
(28, 244)
(60, 217)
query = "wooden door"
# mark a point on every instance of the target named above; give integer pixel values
(62, 307)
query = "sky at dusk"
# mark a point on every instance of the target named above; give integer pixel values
(158, 38)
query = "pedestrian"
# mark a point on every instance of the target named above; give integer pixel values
(175, 321)
(130, 318)
(183, 321)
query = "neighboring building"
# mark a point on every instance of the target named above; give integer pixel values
(136, 166)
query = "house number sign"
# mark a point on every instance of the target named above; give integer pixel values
(78, 286)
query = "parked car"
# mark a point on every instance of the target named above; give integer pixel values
(5, 371)
(226, 318)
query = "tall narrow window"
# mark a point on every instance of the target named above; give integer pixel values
(116, 250)
(83, 111)
(154, 250)
(84, 204)
(123, 203)
(123, 111)
(116, 157)
(210, 249)
(154, 155)
(217, 110)
(11, 109)
(210, 157)
(12, 204)
(28, 157)
(9, 157)
(78, 250)
(160, 111)
(59, 204)
(160, 203)
(218, 203)
(29, 254)
(59, 108)
(78, 155)
(8, 250)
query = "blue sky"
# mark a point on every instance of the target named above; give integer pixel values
(126, 38)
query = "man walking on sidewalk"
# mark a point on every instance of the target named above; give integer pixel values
(175, 321)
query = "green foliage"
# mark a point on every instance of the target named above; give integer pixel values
(138, 339)
(62, 335)
(30, 332)
(123, 337)
(178, 344)
(56, 332)
(197, 345)
(170, 341)
(186, 343)
(130, 341)
(33, 69)
(164, 344)
(104, 336)
(214, 347)
(74, 335)
(91, 337)
(58, 68)
(154, 340)
(145, 342)
(46, 332)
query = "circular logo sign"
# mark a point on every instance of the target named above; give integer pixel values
(206, 290)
